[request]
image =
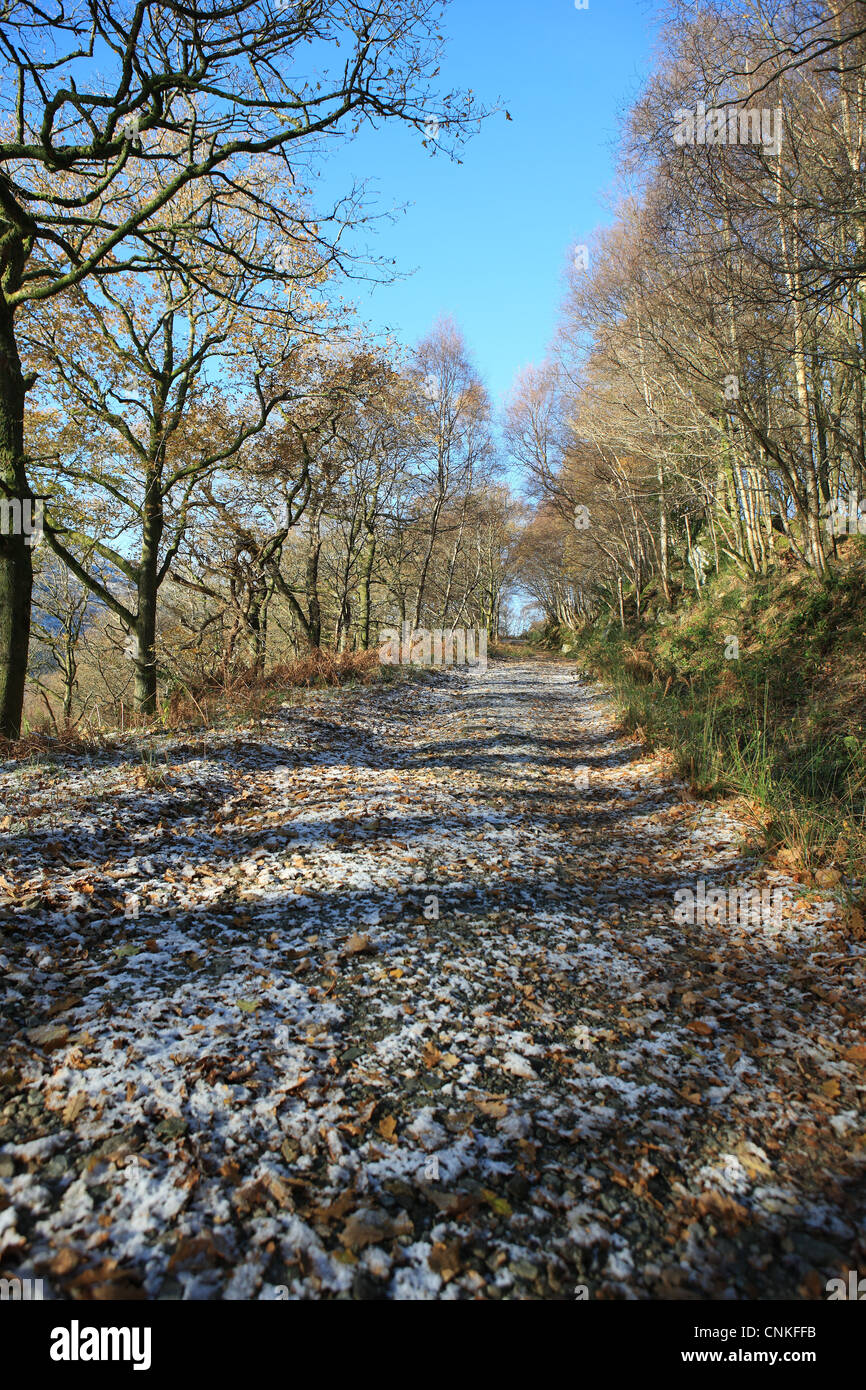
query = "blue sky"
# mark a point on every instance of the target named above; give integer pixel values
(488, 239)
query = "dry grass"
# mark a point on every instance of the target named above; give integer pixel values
(639, 665)
(220, 700)
(323, 667)
(249, 693)
(38, 743)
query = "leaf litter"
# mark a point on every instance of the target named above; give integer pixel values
(398, 1007)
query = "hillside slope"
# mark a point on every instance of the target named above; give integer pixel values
(759, 688)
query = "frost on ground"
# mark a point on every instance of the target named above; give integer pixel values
(381, 1000)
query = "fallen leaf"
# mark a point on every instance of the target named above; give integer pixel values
(337, 1209)
(49, 1035)
(444, 1259)
(64, 1261)
(827, 878)
(371, 1227)
(197, 1252)
(496, 1109)
(358, 945)
(74, 1106)
(280, 1192)
(498, 1204)
(387, 1125)
(723, 1210)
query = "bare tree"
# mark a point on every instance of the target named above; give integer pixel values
(111, 111)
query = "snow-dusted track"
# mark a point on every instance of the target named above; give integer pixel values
(243, 1057)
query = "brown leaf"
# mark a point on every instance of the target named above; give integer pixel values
(338, 1208)
(444, 1259)
(279, 1191)
(387, 1125)
(197, 1252)
(64, 1261)
(250, 1196)
(496, 1109)
(431, 1055)
(358, 945)
(371, 1227)
(73, 1107)
(722, 1210)
(827, 878)
(105, 1282)
(69, 1001)
(117, 1290)
(49, 1035)
(453, 1204)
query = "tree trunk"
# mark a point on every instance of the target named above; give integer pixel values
(311, 583)
(16, 558)
(144, 646)
(367, 559)
(70, 667)
(422, 579)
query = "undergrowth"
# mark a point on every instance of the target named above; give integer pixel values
(776, 717)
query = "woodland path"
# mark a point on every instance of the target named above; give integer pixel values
(242, 1056)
